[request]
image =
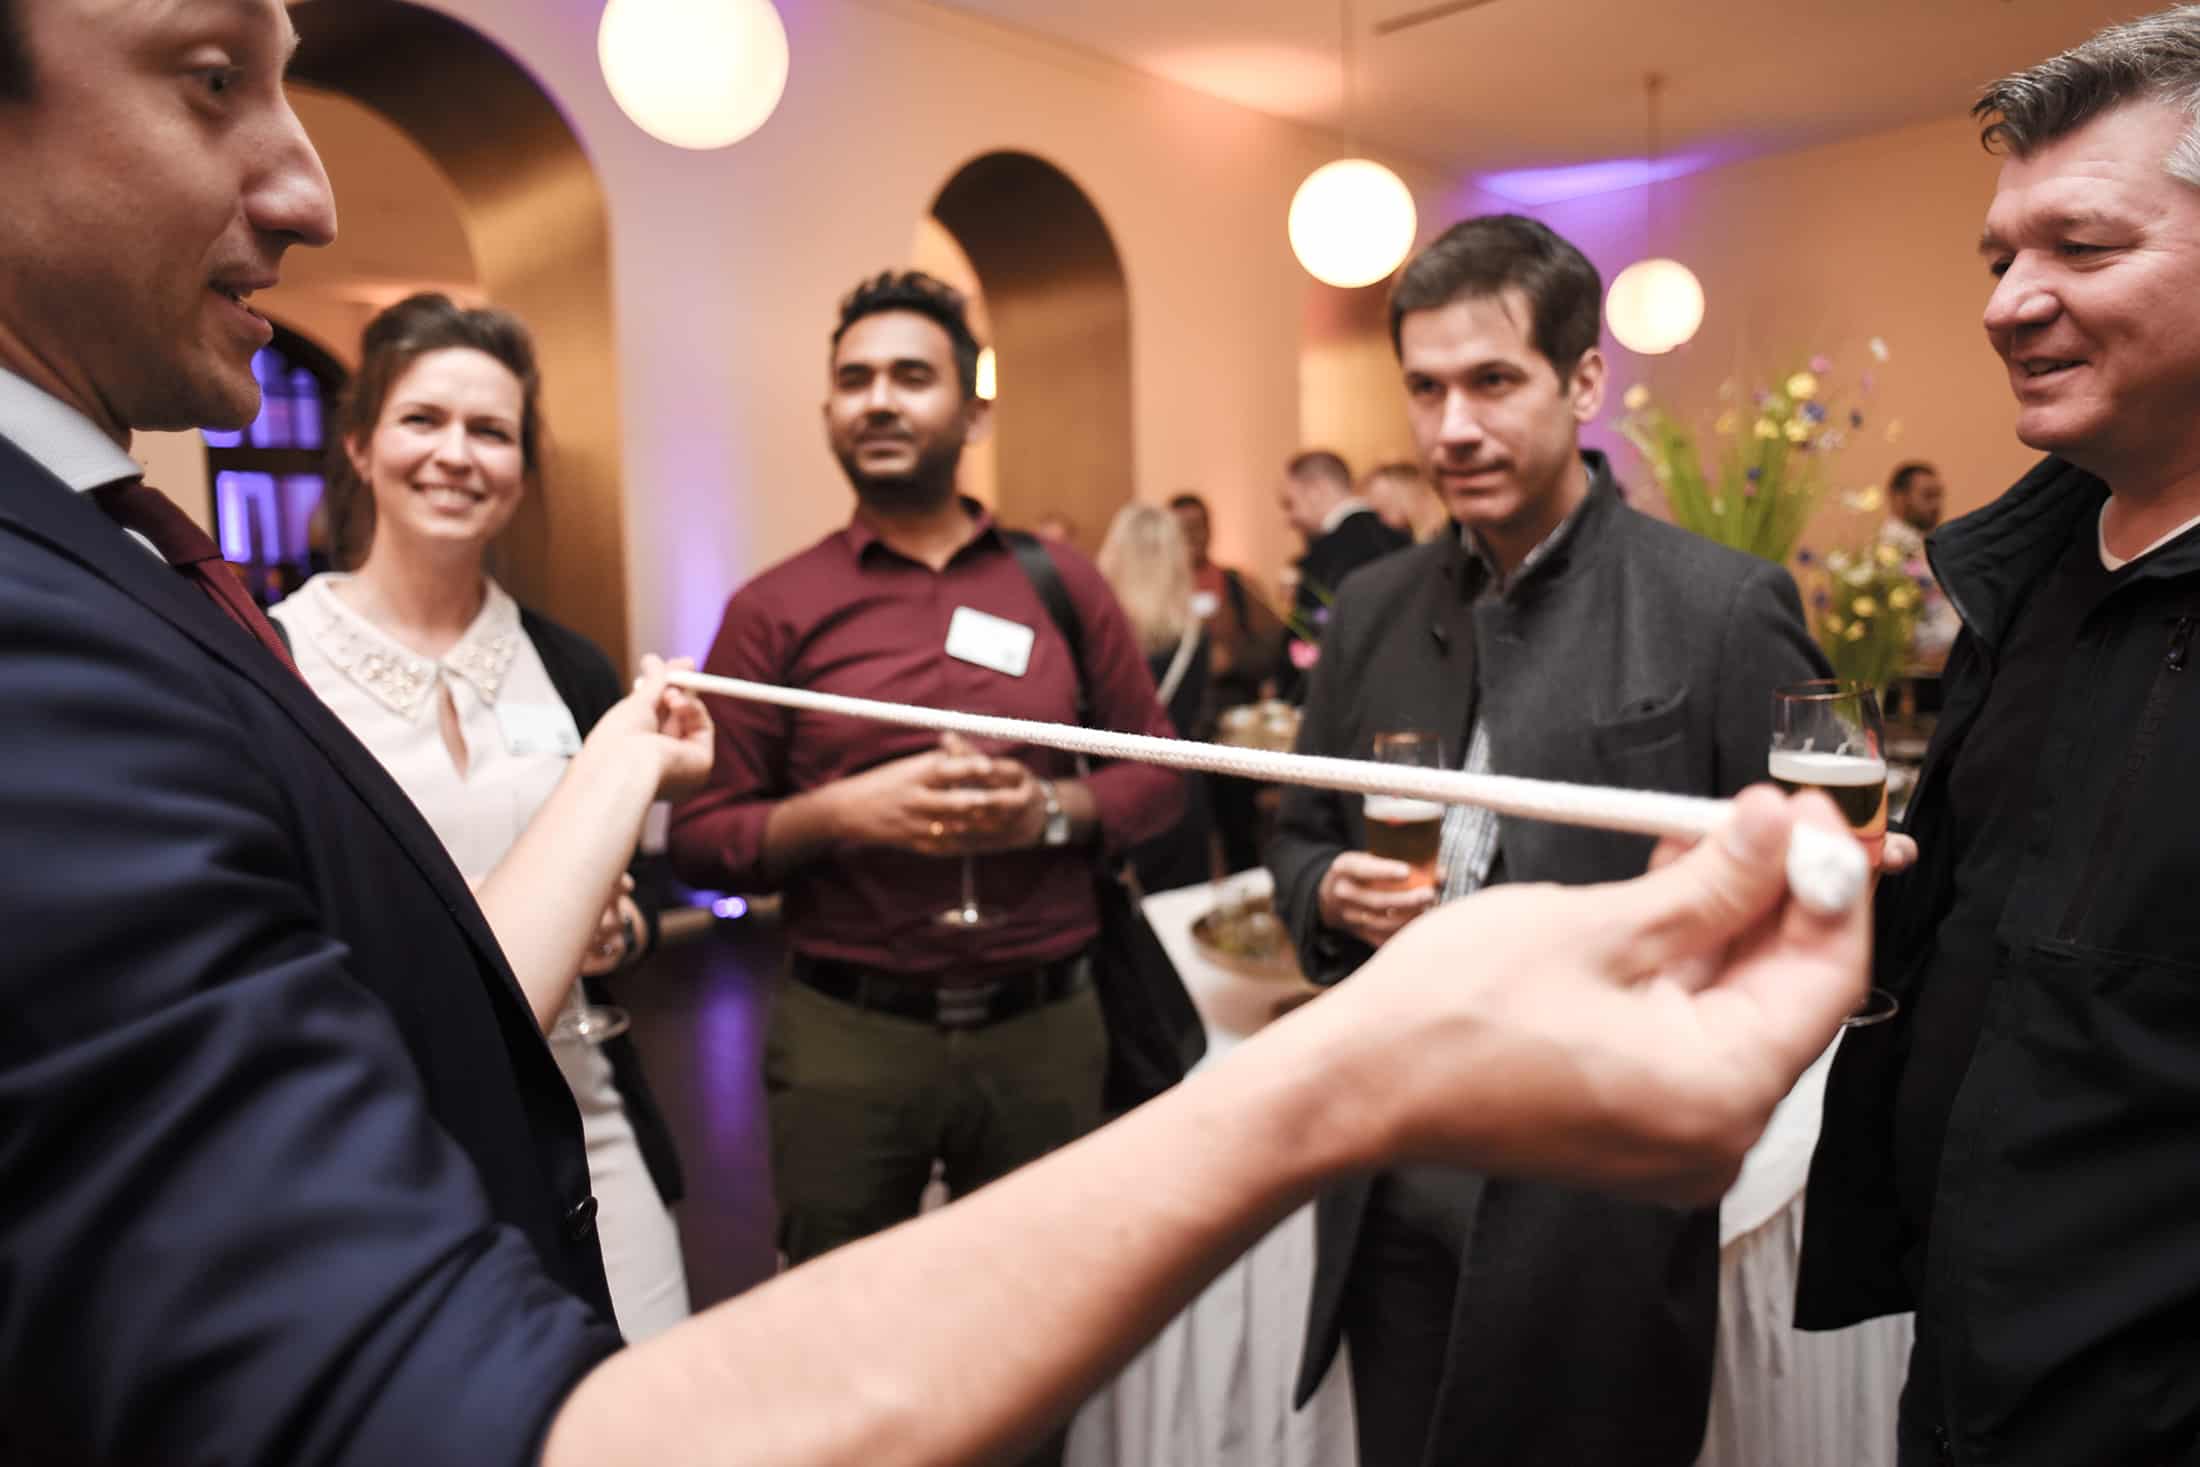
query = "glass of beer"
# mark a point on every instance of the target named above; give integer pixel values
(1402, 829)
(1827, 735)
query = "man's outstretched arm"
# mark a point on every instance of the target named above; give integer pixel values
(1633, 1036)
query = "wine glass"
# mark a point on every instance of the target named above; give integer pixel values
(580, 1021)
(967, 915)
(1400, 828)
(1827, 735)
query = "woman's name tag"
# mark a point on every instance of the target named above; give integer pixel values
(538, 728)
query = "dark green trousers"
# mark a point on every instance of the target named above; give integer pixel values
(863, 1103)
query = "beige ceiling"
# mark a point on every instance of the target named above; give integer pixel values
(1516, 84)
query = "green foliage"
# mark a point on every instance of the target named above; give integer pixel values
(1863, 610)
(1770, 462)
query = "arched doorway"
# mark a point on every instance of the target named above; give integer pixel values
(1060, 312)
(537, 229)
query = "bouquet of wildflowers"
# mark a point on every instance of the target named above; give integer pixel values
(1770, 456)
(1863, 610)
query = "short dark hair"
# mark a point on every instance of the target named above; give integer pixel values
(1486, 256)
(16, 79)
(1321, 463)
(1898, 482)
(1189, 500)
(2154, 58)
(392, 342)
(933, 299)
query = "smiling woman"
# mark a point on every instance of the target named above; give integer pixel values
(478, 708)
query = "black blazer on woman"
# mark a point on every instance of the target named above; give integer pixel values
(588, 686)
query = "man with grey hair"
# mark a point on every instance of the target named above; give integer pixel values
(2014, 1156)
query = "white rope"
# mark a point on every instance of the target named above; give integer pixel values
(1827, 875)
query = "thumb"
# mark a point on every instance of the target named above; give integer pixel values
(1695, 905)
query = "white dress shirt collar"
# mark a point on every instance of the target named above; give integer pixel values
(65, 443)
(1344, 510)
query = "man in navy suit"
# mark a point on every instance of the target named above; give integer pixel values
(286, 1172)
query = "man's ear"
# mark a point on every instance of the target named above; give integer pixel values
(977, 419)
(1585, 386)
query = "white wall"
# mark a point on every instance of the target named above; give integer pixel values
(727, 267)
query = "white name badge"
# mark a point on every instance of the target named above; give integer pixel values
(538, 728)
(989, 641)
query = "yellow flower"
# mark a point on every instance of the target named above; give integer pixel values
(1856, 632)
(1864, 606)
(1864, 500)
(1902, 598)
(1798, 431)
(1766, 428)
(1637, 398)
(1834, 624)
(1727, 423)
(1887, 555)
(1859, 574)
(1802, 387)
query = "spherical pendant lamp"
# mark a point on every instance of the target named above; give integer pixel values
(1654, 306)
(694, 73)
(1352, 222)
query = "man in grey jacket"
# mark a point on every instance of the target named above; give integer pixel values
(1559, 635)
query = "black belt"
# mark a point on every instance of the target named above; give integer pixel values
(962, 1006)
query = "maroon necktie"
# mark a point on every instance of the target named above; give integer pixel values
(134, 506)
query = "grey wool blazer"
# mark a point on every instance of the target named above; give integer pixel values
(1634, 654)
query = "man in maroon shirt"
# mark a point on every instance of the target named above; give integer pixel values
(904, 1038)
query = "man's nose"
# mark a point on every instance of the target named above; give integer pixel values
(2021, 298)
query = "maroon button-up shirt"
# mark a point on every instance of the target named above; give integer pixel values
(851, 615)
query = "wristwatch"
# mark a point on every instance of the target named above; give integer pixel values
(1056, 830)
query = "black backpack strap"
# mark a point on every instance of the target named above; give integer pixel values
(1236, 590)
(1038, 567)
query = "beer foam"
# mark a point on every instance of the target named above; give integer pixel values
(1398, 809)
(1809, 766)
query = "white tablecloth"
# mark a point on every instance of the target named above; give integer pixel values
(1214, 1390)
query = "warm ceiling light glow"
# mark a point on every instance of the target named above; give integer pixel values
(988, 382)
(694, 73)
(1654, 306)
(1352, 222)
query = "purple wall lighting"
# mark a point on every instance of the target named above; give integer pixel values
(1533, 186)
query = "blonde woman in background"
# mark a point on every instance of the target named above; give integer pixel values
(1148, 564)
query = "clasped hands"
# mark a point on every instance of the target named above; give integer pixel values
(950, 801)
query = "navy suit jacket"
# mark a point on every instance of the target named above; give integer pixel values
(287, 1173)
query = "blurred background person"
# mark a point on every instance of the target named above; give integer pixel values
(1915, 497)
(479, 708)
(1342, 534)
(1149, 567)
(1245, 655)
(1402, 497)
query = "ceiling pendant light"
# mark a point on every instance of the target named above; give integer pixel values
(1655, 304)
(1352, 221)
(694, 73)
